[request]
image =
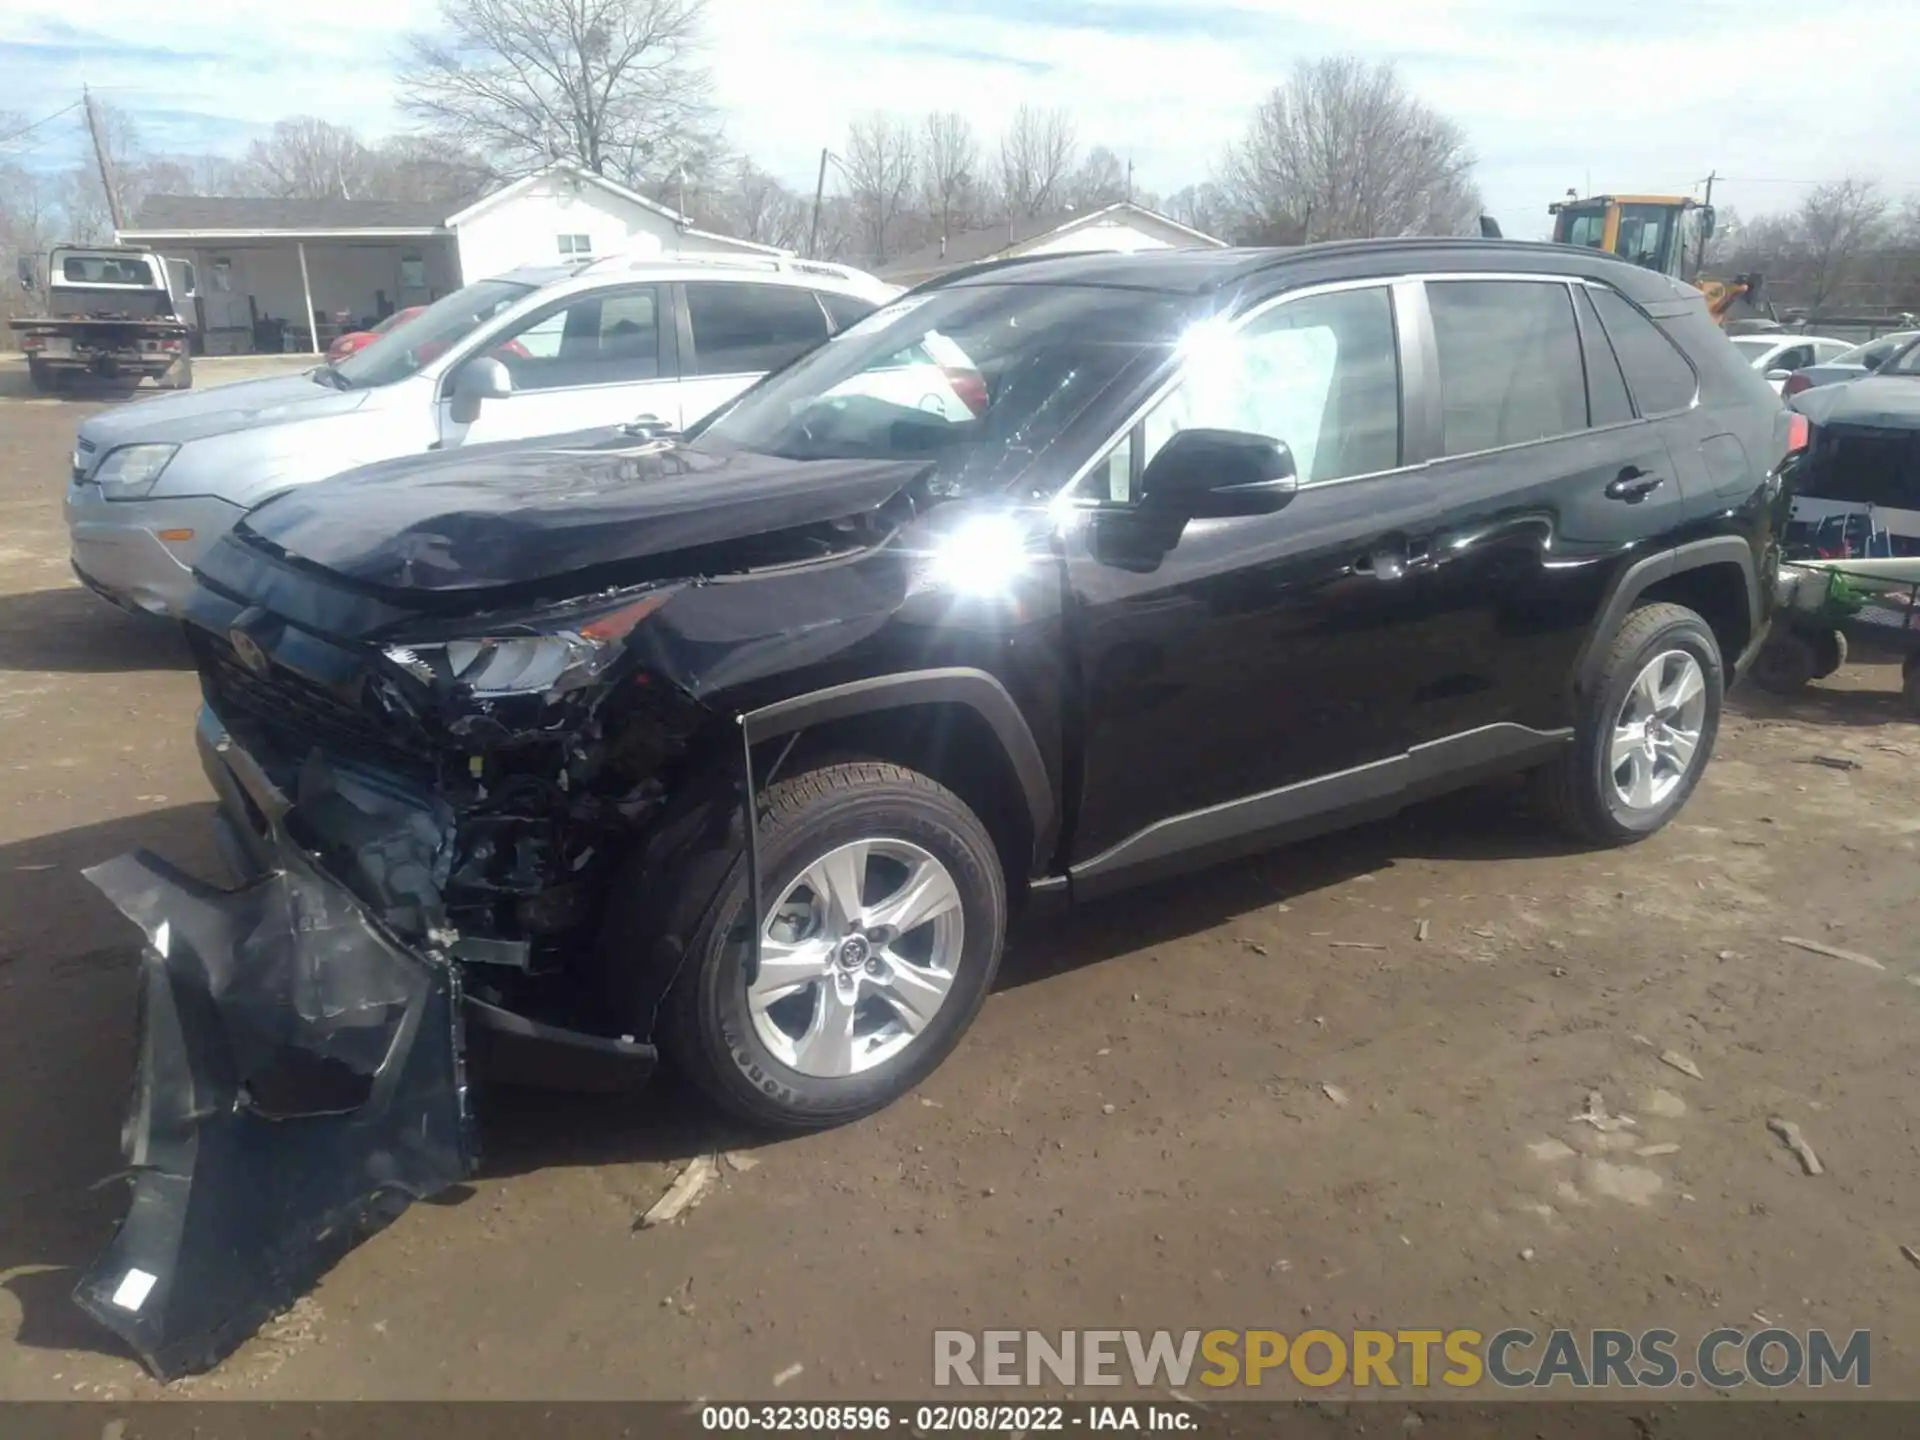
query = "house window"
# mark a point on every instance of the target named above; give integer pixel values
(576, 247)
(413, 272)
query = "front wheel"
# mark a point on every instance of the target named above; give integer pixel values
(884, 912)
(1646, 734)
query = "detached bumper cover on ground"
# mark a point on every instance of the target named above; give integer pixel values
(300, 1078)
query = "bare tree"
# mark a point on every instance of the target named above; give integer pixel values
(1036, 157)
(880, 166)
(754, 205)
(1203, 207)
(1837, 223)
(614, 85)
(1343, 150)
(1102, 180)
(949, 171)
(310, 159)
(425, 167)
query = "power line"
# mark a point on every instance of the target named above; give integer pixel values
(4, 139)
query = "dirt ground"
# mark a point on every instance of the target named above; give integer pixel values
(1139, 1130)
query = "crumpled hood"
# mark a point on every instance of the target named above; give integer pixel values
(1890, 402)
(523, 512)
(221, 410)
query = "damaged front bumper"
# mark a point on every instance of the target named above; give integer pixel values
(302, 1075)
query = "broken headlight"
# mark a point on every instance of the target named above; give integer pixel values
(542, 655)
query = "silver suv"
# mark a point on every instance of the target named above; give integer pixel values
(535, 352)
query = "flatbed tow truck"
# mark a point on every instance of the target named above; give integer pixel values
(109, 311)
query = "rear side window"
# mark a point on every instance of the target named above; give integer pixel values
(844, 310)
(1510, 367)
(1606, 386)
(747, 329)
(1660, 377)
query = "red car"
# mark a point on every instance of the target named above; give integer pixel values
(360, 339)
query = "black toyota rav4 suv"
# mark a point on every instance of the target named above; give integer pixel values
(1042, 580)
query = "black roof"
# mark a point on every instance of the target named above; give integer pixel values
(233, 212)
(1197, 272)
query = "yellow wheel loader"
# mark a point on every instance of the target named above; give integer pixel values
(1662, 232)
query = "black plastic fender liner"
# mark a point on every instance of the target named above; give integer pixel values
(300, 1078)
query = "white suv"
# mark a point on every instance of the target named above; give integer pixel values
(534, 352)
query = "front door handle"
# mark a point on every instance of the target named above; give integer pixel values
(1633, 485)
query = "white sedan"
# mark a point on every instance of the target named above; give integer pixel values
(1778, 356)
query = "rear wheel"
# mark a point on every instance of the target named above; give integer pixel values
(1647, 732)
(1789, 661)
(884, 911)
(1830, 653)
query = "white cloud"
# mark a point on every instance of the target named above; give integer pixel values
(1551, 92)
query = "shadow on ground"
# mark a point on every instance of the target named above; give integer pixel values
(67, 962)
(73, 631)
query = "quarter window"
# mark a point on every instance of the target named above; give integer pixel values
(747, 329)
(1320, 374)
(1510, 363)
(1660, 377)
(1607, 402)
(844, 310)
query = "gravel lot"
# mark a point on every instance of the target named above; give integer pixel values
(1138, 1131)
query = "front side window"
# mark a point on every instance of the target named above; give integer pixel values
(978, 379)
(1320, 374)
(1660, 377)
(1510, 365)
(429, 335)
(748, 329)
(1907, 362)
(606, 338)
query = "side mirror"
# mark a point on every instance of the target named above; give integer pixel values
(480, 379)
(1490, 228)
(1779, 376)
(1216, 474)
(28, 280)
(1873, 362)
(1706, 222)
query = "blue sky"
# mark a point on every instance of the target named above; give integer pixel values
(1553, 93)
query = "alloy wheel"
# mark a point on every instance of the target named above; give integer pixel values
(1656, 734)
(857, 957)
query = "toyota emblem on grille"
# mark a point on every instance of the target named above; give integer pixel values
(249, 651)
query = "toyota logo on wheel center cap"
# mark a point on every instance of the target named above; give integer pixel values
(854, 951)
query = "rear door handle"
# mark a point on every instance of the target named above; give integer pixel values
(1633, 485)
(1393, 562)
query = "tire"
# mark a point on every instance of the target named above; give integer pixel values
(42, 376)
(1787, 663)
(707, 1028)
(1910, 682)
(1830, 653)
(1579, 792)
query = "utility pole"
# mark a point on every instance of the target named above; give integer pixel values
(106, 169)
(1700, 250)
(1129, 179)
(819, 193)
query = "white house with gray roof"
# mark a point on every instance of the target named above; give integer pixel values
(262, 264)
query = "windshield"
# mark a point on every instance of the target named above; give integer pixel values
(979, 379)
(429, 334)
